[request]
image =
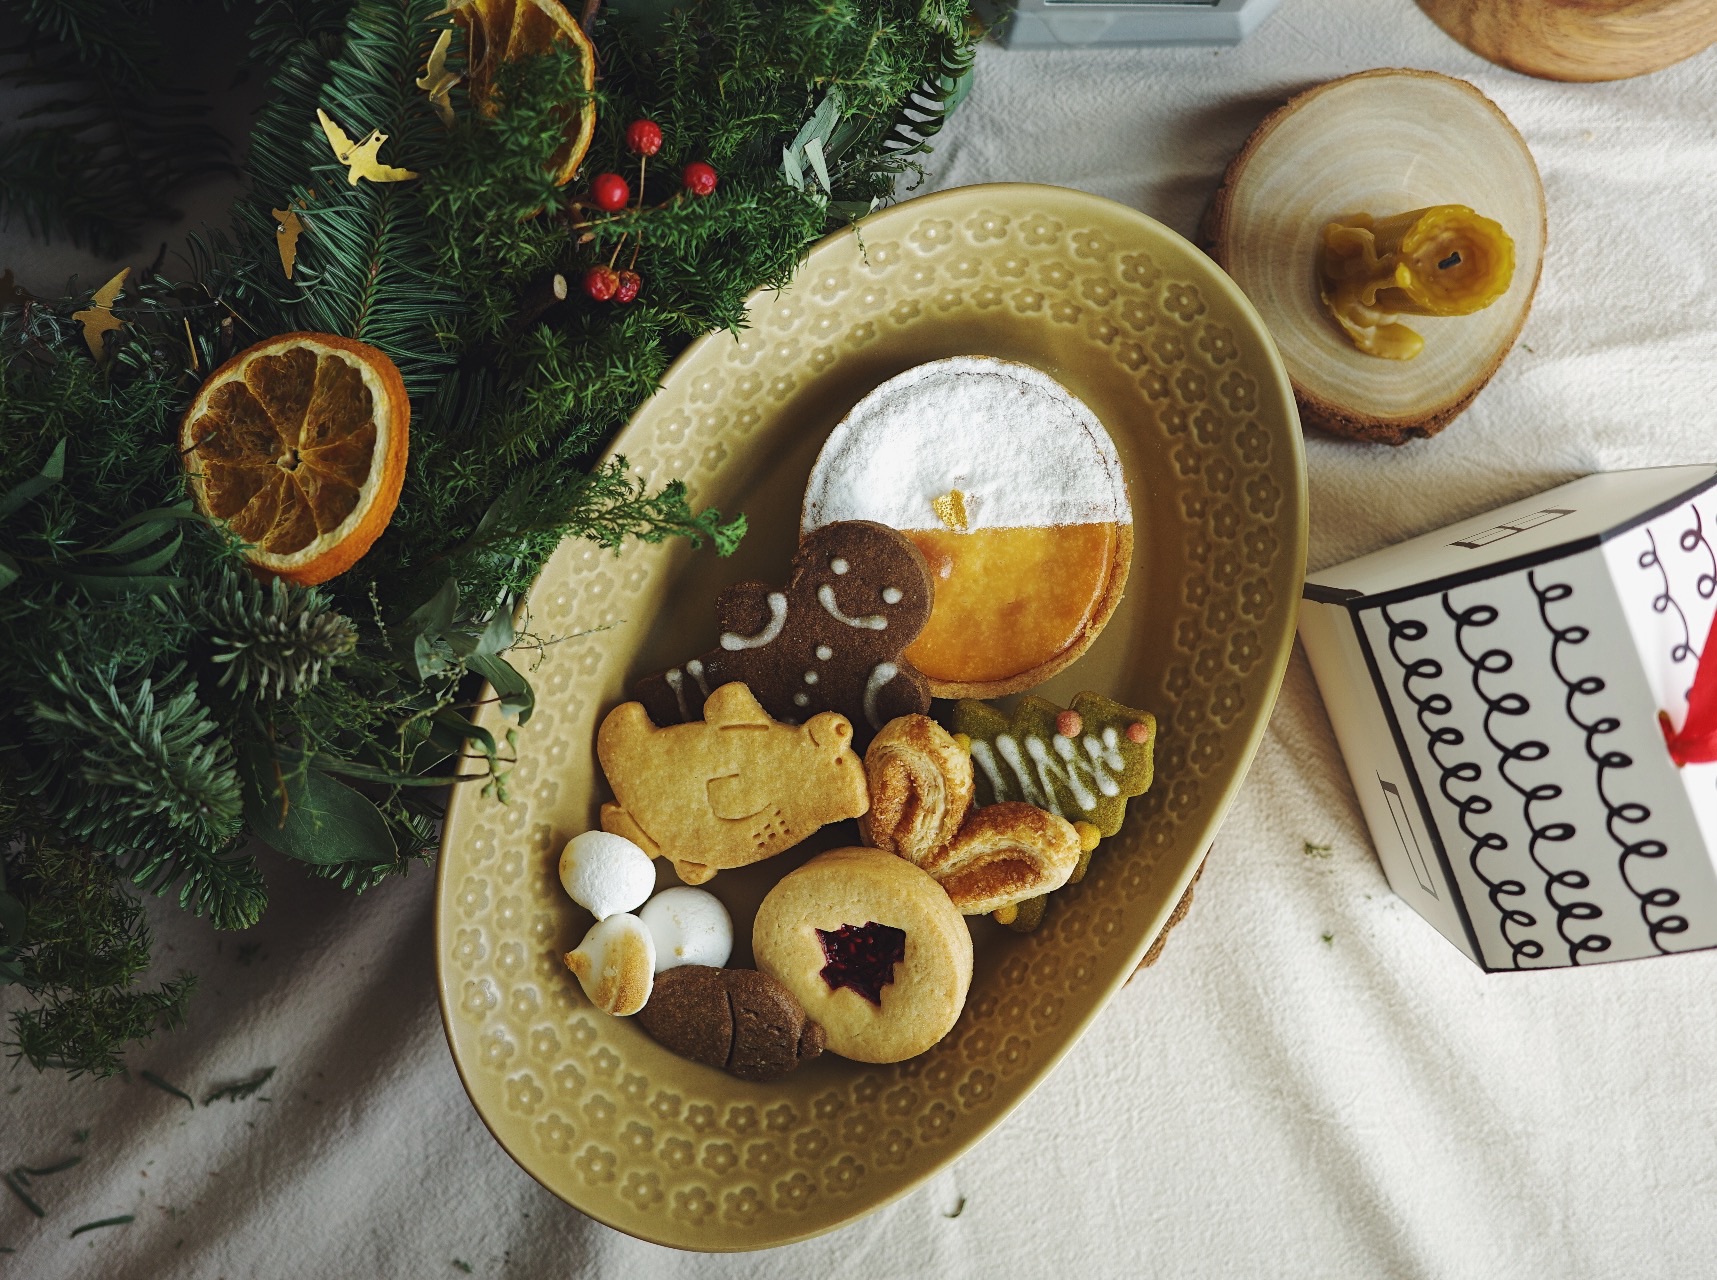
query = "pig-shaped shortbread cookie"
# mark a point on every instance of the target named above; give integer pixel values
(728, 790)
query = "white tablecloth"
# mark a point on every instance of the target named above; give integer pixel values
(1311, 1082)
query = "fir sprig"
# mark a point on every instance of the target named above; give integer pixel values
(86, 944)
(274, 641)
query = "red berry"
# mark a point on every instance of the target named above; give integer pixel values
(699, 178)
(602, 283)
(609, 191)
(627, 288)
(643, 137)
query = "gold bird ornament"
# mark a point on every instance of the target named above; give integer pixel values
(360, 157)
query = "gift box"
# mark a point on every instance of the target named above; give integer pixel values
(1516, 697)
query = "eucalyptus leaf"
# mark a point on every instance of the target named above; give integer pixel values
(515, 692)
(52, 472)
(435, 616)
(814, 153)
(452, 730)
(113, 584)
(9, 571)
(498, 636)
(431, 655)
(325, 821)
(150, 563)
(144, 528)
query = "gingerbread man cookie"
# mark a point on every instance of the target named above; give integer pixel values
(830, 640)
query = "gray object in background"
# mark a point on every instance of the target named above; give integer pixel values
(1057, 24)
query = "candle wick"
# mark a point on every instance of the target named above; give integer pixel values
(1453, 260)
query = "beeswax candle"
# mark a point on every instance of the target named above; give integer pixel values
(1442, 261)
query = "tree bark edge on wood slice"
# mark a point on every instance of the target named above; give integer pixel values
(1361, 421)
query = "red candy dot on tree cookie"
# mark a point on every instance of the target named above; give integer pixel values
(862, 957)
(643, 137)
(1068, 724)
(1137, 732)
(699, 178)
(609, 191)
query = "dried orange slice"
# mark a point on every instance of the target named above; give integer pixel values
(502, 31)
(298, 444)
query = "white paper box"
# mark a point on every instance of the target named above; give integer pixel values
(1495, 687)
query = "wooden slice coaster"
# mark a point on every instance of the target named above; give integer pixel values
(1155, 951)
(1381, 142)
(1579, 39)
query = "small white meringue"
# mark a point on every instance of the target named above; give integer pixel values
(690, 926)
(616, 964)
(606, 874)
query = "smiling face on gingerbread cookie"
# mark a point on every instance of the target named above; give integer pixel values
(830, 640)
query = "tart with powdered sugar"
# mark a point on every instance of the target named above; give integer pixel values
(1013, 491)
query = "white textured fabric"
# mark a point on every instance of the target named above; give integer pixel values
(1311, 1082)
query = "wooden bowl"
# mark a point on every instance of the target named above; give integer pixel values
(1381, 142)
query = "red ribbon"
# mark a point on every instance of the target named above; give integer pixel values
(1697, 741)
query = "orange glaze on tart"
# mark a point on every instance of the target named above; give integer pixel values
(1008, 601)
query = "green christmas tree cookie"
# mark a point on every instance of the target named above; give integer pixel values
(1082, 763)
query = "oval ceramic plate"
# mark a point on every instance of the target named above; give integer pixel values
(1173, 359)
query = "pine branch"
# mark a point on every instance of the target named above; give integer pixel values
(118, 760)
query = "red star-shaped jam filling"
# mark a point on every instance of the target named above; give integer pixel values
(862, 956)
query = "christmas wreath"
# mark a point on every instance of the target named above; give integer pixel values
(527, 213)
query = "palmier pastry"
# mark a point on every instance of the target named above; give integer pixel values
(921, 786)
(1003, 854)
(872, 948)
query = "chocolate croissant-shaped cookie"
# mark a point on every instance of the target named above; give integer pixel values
(921, 786)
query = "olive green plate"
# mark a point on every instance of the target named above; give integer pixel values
(1173, 359)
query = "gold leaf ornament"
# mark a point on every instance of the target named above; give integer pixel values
(98, 319)
(360, 157)
(287, 228)
(437, 81)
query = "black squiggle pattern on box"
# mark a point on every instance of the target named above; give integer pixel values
(1438, 738)
(1664, 600)
(1694, 537)
(1607, 761)
(1496, 662)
